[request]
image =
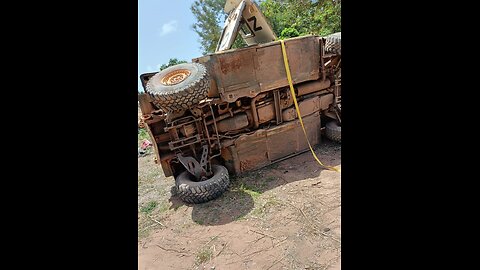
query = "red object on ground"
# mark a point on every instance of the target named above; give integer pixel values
(145, 144)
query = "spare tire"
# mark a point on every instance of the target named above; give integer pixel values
(333, 131)
(179, 87)
(190, 191)
(333, 43)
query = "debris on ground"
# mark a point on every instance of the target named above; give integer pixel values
(145, 148)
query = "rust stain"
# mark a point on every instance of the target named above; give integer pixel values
(229, 64)
(252, 162)
(247, 165)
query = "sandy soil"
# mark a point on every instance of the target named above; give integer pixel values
(285, 216)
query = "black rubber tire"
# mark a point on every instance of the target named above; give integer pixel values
(333, 43)
(199, 192)
(333, 131)
(183, 95)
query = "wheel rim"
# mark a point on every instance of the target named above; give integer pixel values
(175, 77)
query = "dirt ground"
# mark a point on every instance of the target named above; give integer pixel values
(285, 216)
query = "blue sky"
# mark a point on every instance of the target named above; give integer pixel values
(164, 32)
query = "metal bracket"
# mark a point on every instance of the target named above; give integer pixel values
(204, 158)
(192, 166)
(278, 111)
(197, 169)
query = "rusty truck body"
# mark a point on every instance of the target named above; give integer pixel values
(232, 111)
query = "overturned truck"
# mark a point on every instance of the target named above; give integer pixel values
(232, 111)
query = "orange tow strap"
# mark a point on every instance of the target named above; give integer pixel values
(292, 90)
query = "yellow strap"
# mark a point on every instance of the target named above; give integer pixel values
(287, 69)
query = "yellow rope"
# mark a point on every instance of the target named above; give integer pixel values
(287, 70)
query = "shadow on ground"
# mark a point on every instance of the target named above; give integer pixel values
(239, 200)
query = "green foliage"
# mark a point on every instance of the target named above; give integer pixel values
(329, 18)
(250, 190)
(320, 17)
(143, 135)
(288, 33)
(172, 62)
(210, 17)
(288, 18)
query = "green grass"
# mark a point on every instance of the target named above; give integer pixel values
(149, 207)
(250, 190)
(203, 256)
(143, 135)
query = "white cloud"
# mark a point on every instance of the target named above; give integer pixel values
(169, 27)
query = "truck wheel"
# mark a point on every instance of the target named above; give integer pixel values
(190, 191)
(333, 131)
(333, 43)
(179, 87)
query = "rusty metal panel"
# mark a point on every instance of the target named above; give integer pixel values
(312, 86)
(252, 151)
(303, 59)
(237, 69)
(268, 145)
(282, 141)
(288, 139)
(227, 157)
(325, 101)
(312, 126)
(266, 113)
(167, 169)
(248, 71)
(233, 72)
(307, 107)
(289, 114)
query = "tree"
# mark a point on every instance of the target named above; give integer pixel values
(288, 33)
(208, 14)
(317, 17)
(289, 18)
(172, 62)
(210, 18)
